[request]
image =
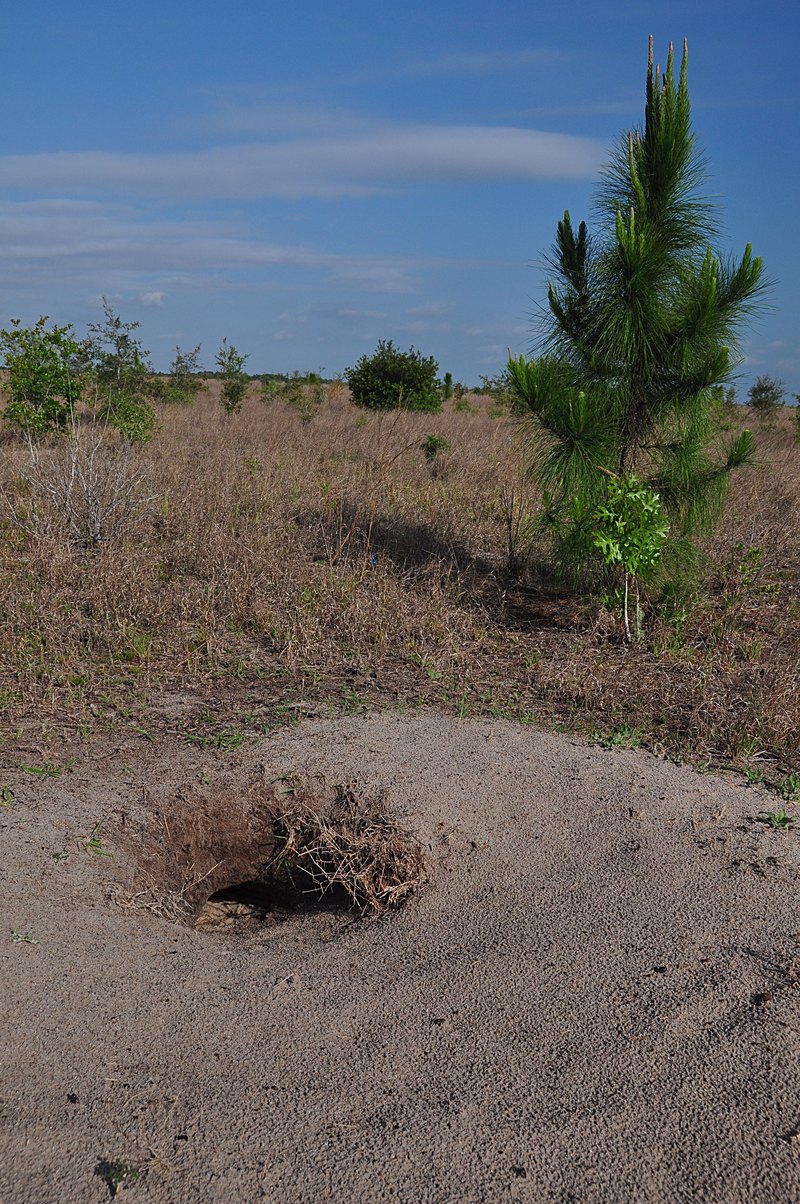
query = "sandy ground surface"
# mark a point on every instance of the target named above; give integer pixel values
(595, 999)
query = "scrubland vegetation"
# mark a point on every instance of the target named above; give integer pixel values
(557, 551)
(261, 564)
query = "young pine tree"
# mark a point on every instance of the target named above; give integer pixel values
(640, 334)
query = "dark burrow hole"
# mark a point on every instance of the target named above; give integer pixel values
(246, 904)
(290, 849)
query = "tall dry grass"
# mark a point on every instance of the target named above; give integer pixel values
(287, 558)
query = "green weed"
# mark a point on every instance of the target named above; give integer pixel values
(94, 843)
(49, 770)
(779, 820)
(23, 938)
(789, 787)
(117, 1175)
(351, 702)
(620, 736)
(226, 739)
(432, 445)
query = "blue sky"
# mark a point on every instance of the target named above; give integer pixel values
(306, 179)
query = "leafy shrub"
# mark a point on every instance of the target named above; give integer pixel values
(304, 394)
(234, 379)
(183, 382)
(766, 396)
(42, 378)
(500, 388)
(630, 531)
(431, 445)
(391, 379)
(118, 366)
(134, 417)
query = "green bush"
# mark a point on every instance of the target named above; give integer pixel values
(41, 379)
(432, 445)
(235, 380)
(766, 396)
(118, 367)
(184, 381)
(391, 379)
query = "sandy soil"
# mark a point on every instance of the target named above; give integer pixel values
(595, 999)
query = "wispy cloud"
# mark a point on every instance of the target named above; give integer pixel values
(78, 236)
(106, 246)
(350, 164)
(593, 108)
(488, 62)
(235, 112)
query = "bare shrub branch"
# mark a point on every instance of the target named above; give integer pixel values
(86, 485)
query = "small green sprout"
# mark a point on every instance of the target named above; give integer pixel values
(789, 787)
(93, 843)
(117, 1175)
(779, 820)
(23, 938)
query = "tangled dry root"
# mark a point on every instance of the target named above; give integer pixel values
(336, 838)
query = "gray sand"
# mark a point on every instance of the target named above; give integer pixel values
(595, 999)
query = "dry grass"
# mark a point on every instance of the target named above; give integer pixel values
(347, 842)
(293, 562)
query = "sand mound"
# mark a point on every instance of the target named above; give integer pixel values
(593, 998)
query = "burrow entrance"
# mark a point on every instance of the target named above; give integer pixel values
(260, 856)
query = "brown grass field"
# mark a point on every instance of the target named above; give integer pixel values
(273, 569)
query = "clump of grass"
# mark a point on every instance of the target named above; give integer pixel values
(621, 736)
(347, 841)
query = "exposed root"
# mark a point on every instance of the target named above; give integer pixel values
(349, 842)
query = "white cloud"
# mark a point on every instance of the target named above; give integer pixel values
(341, 164)
(110, 248)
